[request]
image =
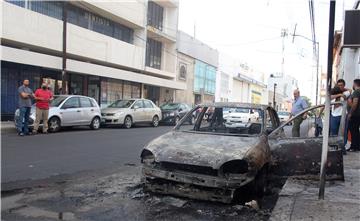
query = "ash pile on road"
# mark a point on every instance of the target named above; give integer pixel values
(120, 196)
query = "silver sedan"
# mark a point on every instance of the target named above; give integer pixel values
(131, 111)
(69, 110)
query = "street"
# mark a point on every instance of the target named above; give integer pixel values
(71, 151)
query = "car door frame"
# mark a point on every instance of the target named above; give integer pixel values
(65, 112)
(139, 114)
(87, 112)
(302, 155)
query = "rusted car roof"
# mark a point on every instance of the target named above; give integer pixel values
(235, 104)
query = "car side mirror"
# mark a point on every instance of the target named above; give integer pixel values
(136, 107)
(180, 109)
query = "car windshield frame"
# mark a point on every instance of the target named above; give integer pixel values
(175, 106)
(57, 101)
(124, 105)
(204, 110)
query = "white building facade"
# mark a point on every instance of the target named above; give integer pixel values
(114, 50)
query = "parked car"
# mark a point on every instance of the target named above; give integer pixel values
(236, 117)
(68, 110)
(131, 111)
(212, 161)
(283, 116)
(173, 112)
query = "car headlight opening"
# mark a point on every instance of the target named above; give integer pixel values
(147, 157)
(235, 167)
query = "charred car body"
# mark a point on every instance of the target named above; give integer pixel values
(209, 159)
(212, 161)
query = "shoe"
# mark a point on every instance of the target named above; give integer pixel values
(21, 134)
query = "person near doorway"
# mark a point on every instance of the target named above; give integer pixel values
(43, 96)
(354, 117)
(299, 104)
(25, 96)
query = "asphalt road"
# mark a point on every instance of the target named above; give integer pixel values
(71, 151)
(75, 150)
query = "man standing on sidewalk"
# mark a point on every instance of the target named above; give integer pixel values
(43, 97)
(25, 95)
(299, 104)
(354, 117)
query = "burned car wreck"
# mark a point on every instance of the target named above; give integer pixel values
(210, 160)
(224, 159)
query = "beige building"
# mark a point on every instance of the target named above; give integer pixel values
(113, 50)
(185, 73)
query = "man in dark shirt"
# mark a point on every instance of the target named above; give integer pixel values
(25, 95)
(354, 117)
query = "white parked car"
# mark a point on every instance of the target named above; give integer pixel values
(69, 110)
(283, 116)
(240, 117)
(131, 111)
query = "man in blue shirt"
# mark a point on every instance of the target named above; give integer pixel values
(299, 104)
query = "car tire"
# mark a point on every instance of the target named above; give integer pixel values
(95, 123)
(128, 122)
(54, 125)
(177, 119)
(155, 121)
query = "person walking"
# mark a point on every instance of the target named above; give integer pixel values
(299, 104)
(25, 95)
(354, 117)
(43, 96)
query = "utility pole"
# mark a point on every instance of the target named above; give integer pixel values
(325, 144)
(64, 54)
(283, 35)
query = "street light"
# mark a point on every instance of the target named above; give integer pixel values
(274, 102)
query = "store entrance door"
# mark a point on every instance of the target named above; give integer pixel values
(94, 88)
(152, 93)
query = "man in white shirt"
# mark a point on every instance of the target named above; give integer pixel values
(338, 93)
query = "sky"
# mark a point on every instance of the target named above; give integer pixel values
(250, 31)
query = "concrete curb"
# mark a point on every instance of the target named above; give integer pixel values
(7, 127)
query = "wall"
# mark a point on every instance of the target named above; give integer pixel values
(131, 11)
(196, 49)
(186, 96)
(44, 32)
(350, 65)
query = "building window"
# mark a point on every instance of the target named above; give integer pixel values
(91, 21)
(153, 53)
(155, 15)
(224, 88)
(50, 8)
(20, 3)
(205, 78)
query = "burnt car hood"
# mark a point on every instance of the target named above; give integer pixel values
(200, 149)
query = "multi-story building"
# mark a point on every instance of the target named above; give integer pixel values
(107, 50)
(248, 90)
(200, 62)
(346, 50)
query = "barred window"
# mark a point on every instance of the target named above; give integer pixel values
(155, 15)
(153, 53)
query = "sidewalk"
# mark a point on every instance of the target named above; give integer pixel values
(298, 199)
(7, 127)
